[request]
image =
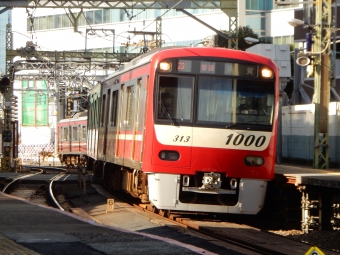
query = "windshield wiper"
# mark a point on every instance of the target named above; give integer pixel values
(166, 113)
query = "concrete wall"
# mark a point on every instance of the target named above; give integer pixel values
(298, 132)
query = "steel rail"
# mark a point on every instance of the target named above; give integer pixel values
(10, 184)
(50, 189)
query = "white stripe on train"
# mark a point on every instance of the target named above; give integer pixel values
(213, 137)
(208, 137)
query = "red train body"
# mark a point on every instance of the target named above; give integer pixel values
(188, 129)
(72, 146)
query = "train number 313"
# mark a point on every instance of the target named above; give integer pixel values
(247, 141)
(183, 138)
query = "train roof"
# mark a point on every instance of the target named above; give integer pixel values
(145, 58)
(140, 60)
(77, 116)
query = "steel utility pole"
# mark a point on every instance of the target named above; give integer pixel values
(321, 98)
(6, 87)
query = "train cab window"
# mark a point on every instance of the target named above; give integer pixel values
(75, 133)
(224, 100)
(175, 98)
(214, 99)
(254, 102)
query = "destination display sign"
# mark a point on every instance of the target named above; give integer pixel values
(219, 68)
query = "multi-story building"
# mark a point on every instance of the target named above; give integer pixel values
(5, 18)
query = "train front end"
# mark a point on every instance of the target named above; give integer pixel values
(213, 131)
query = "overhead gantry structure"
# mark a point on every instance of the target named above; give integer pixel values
(102, 60)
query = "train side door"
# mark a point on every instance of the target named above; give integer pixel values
(92, 126)
(70, 138)
(137, 146)
(113, 127)
(61, 139)
(120, 128)
(83, 139)
(105, 124)
(133, 125)
(129, 122)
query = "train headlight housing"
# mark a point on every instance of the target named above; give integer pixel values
(169, 155)
(267, 73)
(253, 161)
(165, 66)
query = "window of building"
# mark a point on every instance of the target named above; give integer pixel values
(81, 20)
(50, 22)
(106, 16)
(284, 39)
(65, 20)
(43, 23)
(98, 17)
(265, 5)
(115, 14)
(256, 22)
(57, 21)
(35, 103)
(89, 17)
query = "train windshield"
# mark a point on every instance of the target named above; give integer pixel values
(218, 100)
(175, 98)
(226, 100)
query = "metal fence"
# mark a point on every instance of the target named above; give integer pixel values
(35, 153)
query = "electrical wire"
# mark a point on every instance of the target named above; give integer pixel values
(160, 17)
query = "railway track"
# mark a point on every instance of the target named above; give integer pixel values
(251, 240)
(239, 235)
(246, 239)
(37, 184)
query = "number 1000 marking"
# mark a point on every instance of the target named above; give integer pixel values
(247, 142)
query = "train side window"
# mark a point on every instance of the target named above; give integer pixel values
(61, 134)
(83, 132)
(130, 95)
(139, 84)
(103, 110)
(95, 114)
(107, 108)
(74, 133)
(65, 134)
(113, 115)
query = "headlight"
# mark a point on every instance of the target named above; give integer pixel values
(169, 155)
(165, 66)
(267, 73)
(253, 161)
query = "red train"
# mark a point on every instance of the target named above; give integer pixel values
(72, 140)
(187, 129)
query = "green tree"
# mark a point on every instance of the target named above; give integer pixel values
(243, 32)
